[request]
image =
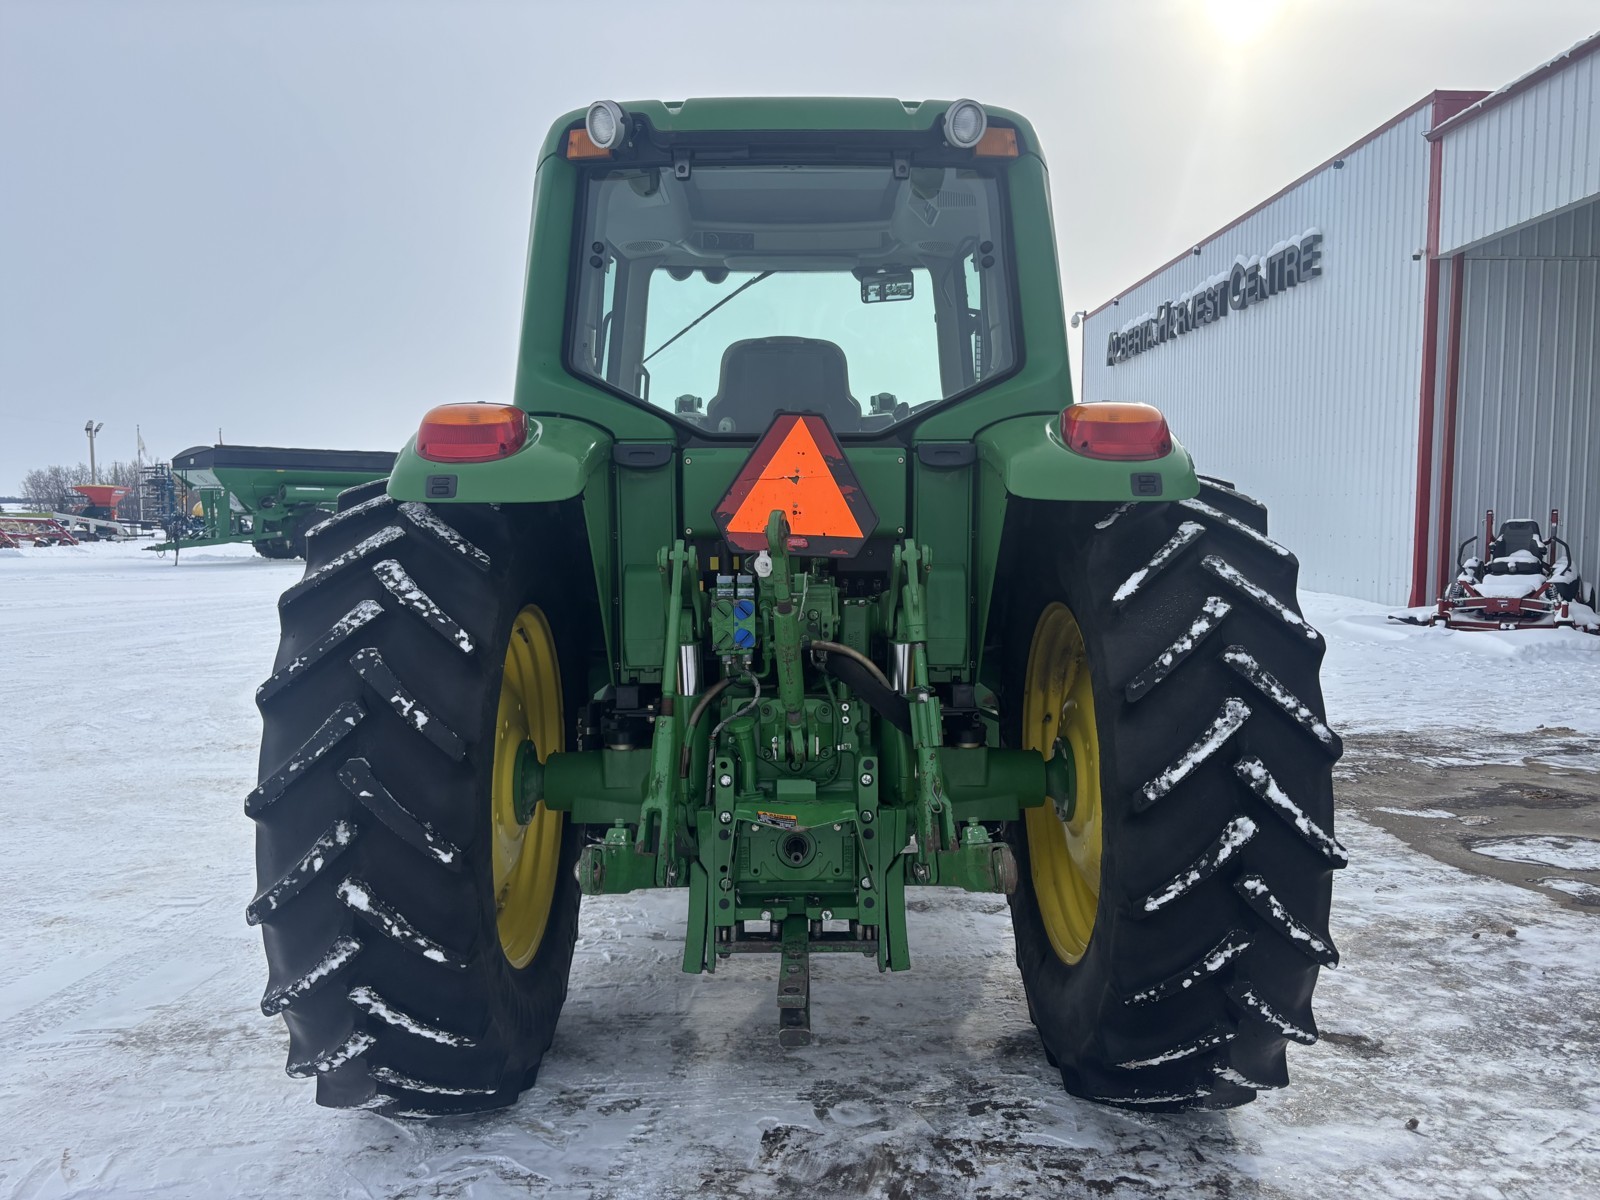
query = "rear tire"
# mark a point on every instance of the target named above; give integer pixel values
(276, 548)
(375, 836)
(304, 524)
(1216, 803)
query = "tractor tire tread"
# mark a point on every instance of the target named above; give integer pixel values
(1258, 895)
(329, 734)
(414, 600)
(375, 673)
(369, 1001)
(367, 545)
(333, 842)
(383, 958)
(424, 519)
(357, 778)
(363, 613)
(360, 494)
(1212, 917)
(1223, 495)
(323, 1061)
(1187, 534)
(1205, 623)
(358, 895)
(1241, 530)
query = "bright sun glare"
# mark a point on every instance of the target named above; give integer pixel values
(1240, 22)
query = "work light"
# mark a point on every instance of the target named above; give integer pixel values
(964, 123)
(605, 124)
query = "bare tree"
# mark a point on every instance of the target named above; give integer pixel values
(47, 488)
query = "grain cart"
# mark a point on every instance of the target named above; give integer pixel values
(270, 496)
(793, 578)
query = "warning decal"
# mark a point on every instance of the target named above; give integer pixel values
(797, 468)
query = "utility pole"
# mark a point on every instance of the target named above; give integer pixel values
(1077, 321)
(91, 429)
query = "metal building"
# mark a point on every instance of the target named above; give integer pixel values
(1399, 339)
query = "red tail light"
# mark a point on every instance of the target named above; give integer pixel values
(458, 433)
(1121, 432)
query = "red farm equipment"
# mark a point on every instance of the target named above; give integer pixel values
(1523, 579)
(36, 528)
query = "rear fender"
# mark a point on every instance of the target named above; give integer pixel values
(563, 459)
(560, 459)
(1025, 458)
(1031, 462)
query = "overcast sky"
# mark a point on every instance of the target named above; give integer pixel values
(304, 222)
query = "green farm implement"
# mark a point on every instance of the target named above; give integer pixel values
(794, 578)
(271, 496)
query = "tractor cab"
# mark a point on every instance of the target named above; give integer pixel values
(724, 289)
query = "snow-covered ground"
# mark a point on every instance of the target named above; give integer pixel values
(1383, 677)
(1459, 1056)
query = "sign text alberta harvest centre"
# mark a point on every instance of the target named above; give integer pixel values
(1251, 281)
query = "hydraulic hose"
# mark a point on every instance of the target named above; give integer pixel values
(710, 694)
(706, 697)
(863, 676)
(852, 654)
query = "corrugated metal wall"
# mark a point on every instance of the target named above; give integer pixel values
(1532, 155)
(1528, 424)
(1309, 399)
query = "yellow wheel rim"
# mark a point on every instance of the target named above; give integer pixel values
(527, 857)
(1058, 705)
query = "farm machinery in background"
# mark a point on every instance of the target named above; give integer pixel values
(34, 529)
(270, 496)
(91, 516)
(94, 516)
(1522, 579)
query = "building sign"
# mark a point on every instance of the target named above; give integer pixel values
(1252, 280)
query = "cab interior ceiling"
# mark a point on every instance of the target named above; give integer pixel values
(783, 218)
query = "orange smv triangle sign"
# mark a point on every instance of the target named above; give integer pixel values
(799, 470)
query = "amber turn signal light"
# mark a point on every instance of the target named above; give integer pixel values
(1120, 432)
(458, 433)
(580, 145)
(997, 143)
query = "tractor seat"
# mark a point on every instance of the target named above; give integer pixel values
(1518, 550)
(762, 377)
(1518, 562)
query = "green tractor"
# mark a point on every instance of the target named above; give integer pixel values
(793, 578)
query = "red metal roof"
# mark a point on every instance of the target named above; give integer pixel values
(1559, 63)
(1446, 102)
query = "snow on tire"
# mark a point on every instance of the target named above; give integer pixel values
(1215, 769)
(373, 820)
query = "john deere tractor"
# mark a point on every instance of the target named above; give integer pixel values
(794, 578)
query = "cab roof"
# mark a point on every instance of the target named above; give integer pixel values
(788, 114)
